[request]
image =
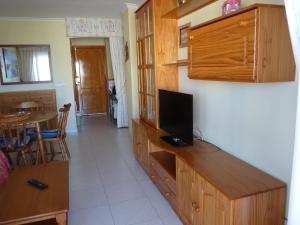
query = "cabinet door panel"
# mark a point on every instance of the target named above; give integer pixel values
(184, 183)
(210, 206)
(224, 50)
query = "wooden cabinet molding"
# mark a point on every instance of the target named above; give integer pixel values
(250, 45)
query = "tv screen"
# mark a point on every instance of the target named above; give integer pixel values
(176, 116)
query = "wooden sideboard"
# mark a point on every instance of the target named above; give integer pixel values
(46, 97)
(207, 186)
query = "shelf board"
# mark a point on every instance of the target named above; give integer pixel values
(186, 8)
(167, 161)
(183, 62)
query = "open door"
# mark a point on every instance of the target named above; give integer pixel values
(90, 79)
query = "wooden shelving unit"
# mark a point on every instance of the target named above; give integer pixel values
(186, 8)
(167, 161)
(183, 62)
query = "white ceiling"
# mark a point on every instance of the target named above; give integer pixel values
(64, 8)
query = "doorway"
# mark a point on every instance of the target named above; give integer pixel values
(90, 79)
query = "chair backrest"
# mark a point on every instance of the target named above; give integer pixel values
(30, 106)
(13, 137)
(63, 120)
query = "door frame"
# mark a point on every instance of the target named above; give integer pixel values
(75, 87)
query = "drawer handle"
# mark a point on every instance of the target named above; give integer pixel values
(167, 194)
(153, 176)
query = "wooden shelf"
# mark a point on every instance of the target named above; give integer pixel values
(186, 8)
(183, 62)
(167, 161)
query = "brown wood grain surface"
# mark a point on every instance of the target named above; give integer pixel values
(250, 45)
(90, 67)
(9, 100)
(21, 202)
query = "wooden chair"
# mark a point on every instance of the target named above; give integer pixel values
(14, 139)
(59, 135)
(30, 106)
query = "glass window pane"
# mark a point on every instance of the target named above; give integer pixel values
(150, 19)
(153, 87)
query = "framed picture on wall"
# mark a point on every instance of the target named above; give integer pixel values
(183, 35)
(9, 65)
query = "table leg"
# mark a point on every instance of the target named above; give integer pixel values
(61, 219)
(41, 142)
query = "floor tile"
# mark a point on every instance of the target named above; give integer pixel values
(139, 173)
(87, 198)
(152, 222)
(91, 216)
(133, 212)
(84, 182)
(124, 191)
(161, 205)
(172, 220)
(116, 176)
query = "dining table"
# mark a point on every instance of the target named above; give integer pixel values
(34, 120)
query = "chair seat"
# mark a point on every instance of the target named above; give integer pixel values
(48, 134)
(15, 142)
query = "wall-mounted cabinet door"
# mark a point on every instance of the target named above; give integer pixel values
(184, 194)
(224, 50)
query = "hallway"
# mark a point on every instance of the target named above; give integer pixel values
(107, 185)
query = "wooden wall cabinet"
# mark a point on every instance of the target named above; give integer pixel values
(156, 45)
(251, 45)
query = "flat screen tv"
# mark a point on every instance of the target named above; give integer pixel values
(176, 117)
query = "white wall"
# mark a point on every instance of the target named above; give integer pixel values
(131, 65)
(293, 12)
(52, 32)
(254, 122)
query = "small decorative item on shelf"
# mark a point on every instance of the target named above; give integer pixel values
(181, 2)
(231, 6)
(183, 35)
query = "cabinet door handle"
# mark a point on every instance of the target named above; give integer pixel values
(191, 37)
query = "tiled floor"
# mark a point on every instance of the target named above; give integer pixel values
(107, 185)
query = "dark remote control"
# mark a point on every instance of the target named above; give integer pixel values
(37, 184)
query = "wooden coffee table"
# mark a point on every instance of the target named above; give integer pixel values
(21, 203)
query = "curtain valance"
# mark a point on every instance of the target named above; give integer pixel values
(94, 27)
